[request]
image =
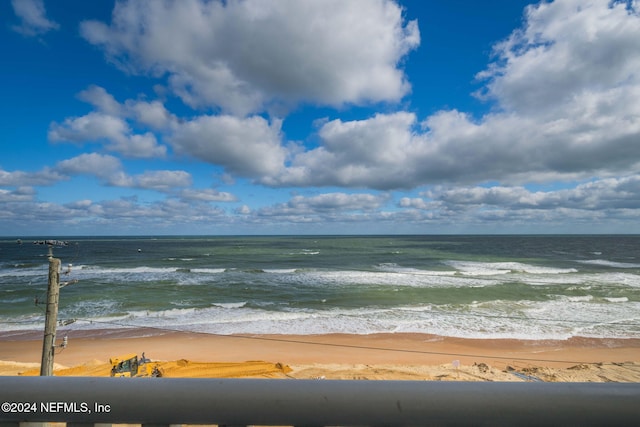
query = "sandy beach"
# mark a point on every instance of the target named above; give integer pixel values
(336, 356)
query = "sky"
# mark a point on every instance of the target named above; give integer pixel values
(319, 117)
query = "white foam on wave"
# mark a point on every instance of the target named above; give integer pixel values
(607, 263)
(89, 269)
(387, 278)
(560, 318)
(208, 270)
(617, 299)
(33, 324)
(479, 268)
(577, 280)
(586, 281)
(395, 268)
(583, 298)
(473, 268)
(14, 300)
(280, 270)
(172, 313)
(230, 305)
(554, 319)
(90, 308)
(183, 275)
(305, 252)
(417, 308)
(24, 271)
(625, 279)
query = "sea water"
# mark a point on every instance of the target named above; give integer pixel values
(526, 287)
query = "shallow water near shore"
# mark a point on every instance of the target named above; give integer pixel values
(521, 287)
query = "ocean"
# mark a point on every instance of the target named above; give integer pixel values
(521, 287)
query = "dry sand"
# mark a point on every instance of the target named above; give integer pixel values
(380, 356)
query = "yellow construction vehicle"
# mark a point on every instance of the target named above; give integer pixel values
(128, 365)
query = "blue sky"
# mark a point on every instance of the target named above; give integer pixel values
(319, 117)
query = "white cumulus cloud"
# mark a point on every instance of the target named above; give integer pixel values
(109, 170)
(246, 56)
(109, 124)
(20, 194)
(207, 195)
(34, 19)
(161, 180)
(325, 204)
(249, 147)
(46, 176)
(99, 165)
(565, 85)
(565, 50)
(604, 194)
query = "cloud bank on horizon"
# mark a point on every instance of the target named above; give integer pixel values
(305, 117)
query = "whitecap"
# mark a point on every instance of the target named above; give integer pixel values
(280, 270)
(14, 300)
(395, 268)
(617, 299)
(607, 263)
(387, 278)
(126, 270)
(584, 298)
(472, 268)
(208, 270)
(229, 305)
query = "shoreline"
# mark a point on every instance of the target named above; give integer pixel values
(388, 348)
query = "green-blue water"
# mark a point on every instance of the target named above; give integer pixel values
(536, 287)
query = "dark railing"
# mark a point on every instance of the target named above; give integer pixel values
(239, 402)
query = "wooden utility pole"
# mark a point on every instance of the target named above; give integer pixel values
(51, 316)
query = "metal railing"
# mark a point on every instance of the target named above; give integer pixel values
(239, 402)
